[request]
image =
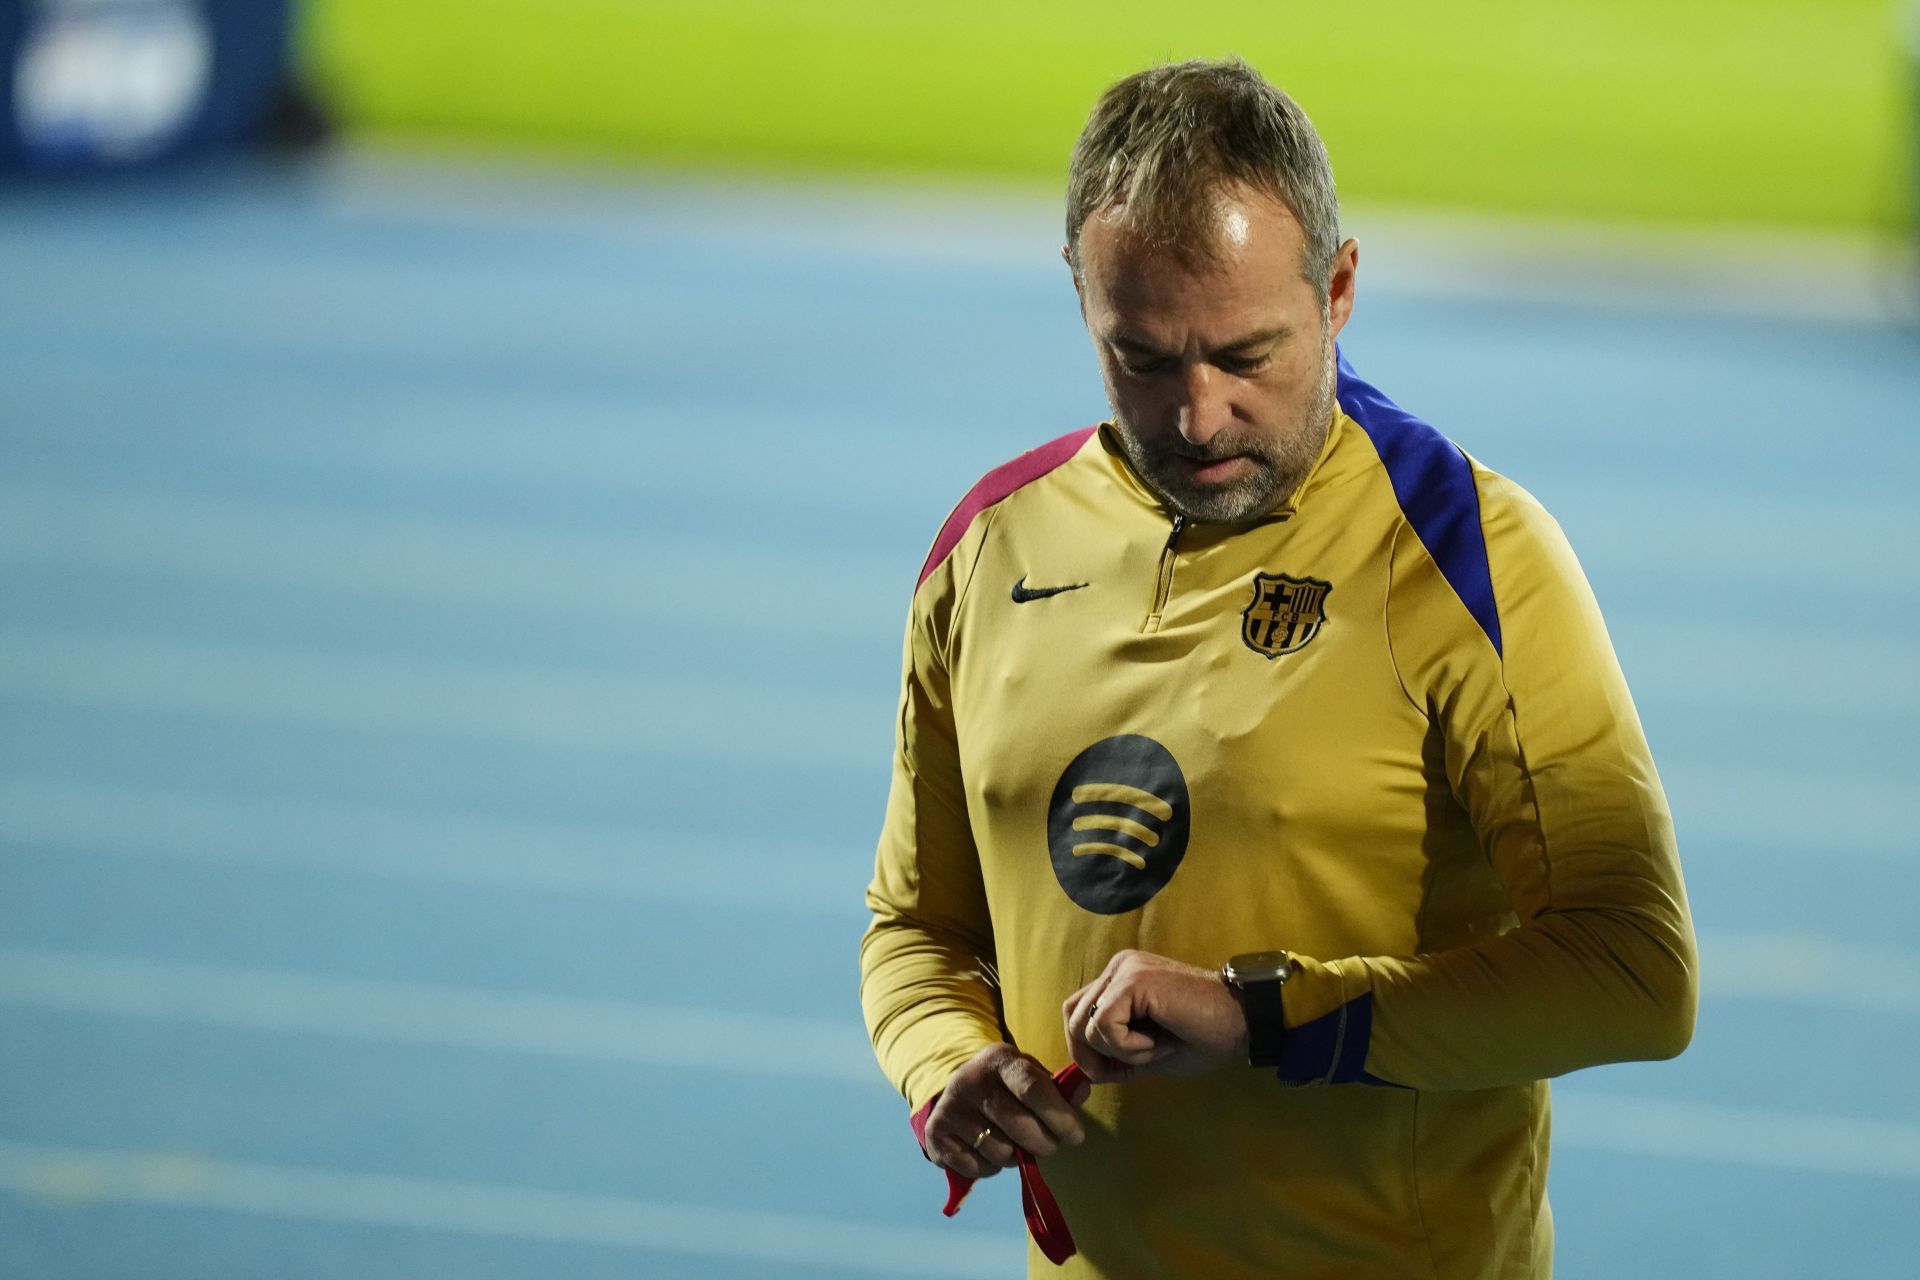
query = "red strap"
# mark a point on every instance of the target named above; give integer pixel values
(1044, 1219)
(1045, 1222)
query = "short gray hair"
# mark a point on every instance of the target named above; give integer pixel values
(1160, 143)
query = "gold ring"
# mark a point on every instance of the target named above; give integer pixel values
(984, 1135)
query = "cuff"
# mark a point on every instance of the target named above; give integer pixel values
(919, 1122)
(1332, 1049)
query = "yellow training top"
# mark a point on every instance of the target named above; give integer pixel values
(1383, 729)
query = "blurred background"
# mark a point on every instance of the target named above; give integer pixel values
(463, 468)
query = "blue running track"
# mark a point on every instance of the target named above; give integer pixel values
(449, 621)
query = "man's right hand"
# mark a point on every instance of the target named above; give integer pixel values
(1010, 1096)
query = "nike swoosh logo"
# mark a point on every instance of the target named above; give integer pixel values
(1023, 593)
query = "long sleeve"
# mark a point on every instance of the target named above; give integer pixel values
(1544, 752)
(926, 958)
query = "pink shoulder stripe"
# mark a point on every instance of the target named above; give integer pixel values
(996, 486)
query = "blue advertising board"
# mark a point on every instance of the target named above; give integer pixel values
(115, 83)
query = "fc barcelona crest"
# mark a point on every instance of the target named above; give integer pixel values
(1285, 613)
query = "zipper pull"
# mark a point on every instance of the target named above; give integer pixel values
(1179, 527)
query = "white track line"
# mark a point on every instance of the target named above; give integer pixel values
(1792, 970)
(1754, 1137)
(419, 1013)
(76, 1176)
(1777, 970)
(435, 1014)
(647, 582)
(634, 862)
(528, 706)
(631, 863)
(848, 593)
(1738, 665)
(444, 848)
(1829, 815)
(1818, 972)
(1834, 815)
(632, 448)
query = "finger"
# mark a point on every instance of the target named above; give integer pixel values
(990, 1148)
(1080, 1006)
(954, 1153)
(979, 1167)
(1111, 1031)
(1011, 1120)
(1100, 1068)
(997, 1152)
(1082, 1009)
(1035, 1090)
(1083, 1054)
(1116, 1040)
(961, 1144)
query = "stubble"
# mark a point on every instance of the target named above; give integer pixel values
(1281, 460)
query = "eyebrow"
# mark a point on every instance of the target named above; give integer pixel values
(1259, 337)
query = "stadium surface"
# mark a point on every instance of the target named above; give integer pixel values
(447, 655)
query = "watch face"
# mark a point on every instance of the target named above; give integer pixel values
(1260, 966)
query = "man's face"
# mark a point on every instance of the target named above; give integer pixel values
(1221, 375)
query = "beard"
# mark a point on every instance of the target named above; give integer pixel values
(1280, 460)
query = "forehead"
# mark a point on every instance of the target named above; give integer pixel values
(1249, 268)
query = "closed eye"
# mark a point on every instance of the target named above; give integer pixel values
(1140, 366)
(1243, 366)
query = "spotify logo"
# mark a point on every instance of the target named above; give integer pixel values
(1118, 824)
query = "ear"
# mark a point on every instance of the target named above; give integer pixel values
(1341, 285)
(1066, 256)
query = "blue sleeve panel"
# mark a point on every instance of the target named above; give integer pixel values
(1433, 482)
(1332, 1049)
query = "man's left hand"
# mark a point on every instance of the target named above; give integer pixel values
(1147, 1014)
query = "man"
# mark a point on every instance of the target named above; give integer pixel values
(1263, 673)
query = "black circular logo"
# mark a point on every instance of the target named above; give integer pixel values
(1118, 824)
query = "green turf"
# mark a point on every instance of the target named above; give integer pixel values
(1787, 112)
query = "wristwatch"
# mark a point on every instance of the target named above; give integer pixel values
(1257, 978)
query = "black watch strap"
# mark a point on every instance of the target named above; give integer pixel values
(1266, 1022)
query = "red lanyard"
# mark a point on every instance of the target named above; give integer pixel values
(1044, 1219)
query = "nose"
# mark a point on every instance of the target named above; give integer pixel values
(1207, 407)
